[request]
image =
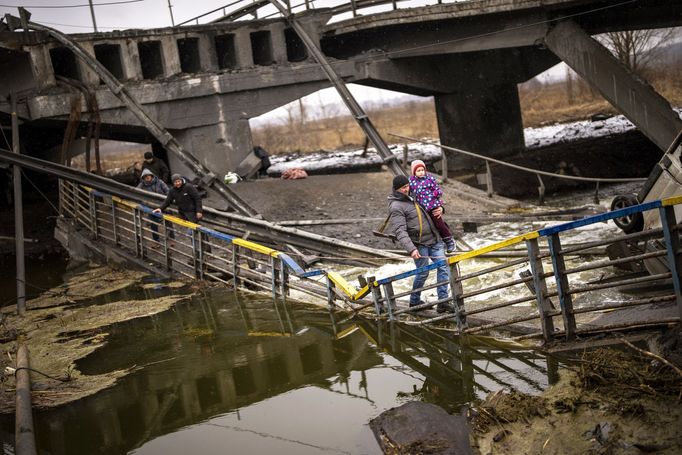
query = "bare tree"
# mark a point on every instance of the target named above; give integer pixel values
(637, 49)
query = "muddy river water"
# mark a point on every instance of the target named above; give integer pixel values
(238, 373)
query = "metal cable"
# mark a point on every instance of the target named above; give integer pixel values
(521, 168)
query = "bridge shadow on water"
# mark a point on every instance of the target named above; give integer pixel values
(240, 373)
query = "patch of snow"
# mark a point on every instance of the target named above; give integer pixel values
(534, 137)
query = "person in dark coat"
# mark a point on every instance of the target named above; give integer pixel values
(187, 199)
(264, 159)
(156, 166)
(417, 234)
(149, 182)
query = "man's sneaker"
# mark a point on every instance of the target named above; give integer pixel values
(450, 246)
(421, 302)
(442, 308)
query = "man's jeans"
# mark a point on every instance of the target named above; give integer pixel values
(436, 253)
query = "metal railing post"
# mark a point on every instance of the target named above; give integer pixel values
(353, 7)
(93, 214)
(166, 246)
(235, 265)
(457, 301)
(273, 277)
(543, 303)
(194, 251)
(61, 197)
(390, 303)
(330, 293)
(137, 229)
(376, 294)
(283, 279)
(672, 244)
(114, 227)
(488, 179)
(199, 264)
(562, 287)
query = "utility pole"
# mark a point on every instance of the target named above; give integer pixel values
(18, 214)
(170, 8)
(92, 13)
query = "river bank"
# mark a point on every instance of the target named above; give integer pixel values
(615, 401)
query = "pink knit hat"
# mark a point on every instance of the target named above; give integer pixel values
(416, 164)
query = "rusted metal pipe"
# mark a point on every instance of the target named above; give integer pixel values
(24, 434)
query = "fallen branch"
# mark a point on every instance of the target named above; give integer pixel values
(652, 355)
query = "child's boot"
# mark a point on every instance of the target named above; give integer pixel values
(449, 245)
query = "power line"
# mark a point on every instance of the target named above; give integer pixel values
(71, 6)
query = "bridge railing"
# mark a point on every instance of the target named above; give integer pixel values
(189, 249)
(263, 9)
(540, 289)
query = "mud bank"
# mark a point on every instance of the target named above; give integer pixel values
(611, 402)
(66, 324)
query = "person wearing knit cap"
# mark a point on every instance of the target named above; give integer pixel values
(417, 234)
(427, 193)
(186, 197)
(156, 166)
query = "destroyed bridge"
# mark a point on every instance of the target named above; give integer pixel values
(204, 81)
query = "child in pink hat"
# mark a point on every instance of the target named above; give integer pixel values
(427, 193)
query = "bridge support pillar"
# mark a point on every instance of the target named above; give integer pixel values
(640, 103)
(220, 147)
(485, 120)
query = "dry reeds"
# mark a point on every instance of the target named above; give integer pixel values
(560, 101)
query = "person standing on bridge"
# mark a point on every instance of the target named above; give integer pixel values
(156, 165)
(417, 233)
(149, 182)
(186, 197)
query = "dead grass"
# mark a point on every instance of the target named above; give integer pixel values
(541, 104)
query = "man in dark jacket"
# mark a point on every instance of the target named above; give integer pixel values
(186, 197)
(419, 237)
(149, 182)
(156, 166)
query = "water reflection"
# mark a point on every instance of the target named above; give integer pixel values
(230, 373)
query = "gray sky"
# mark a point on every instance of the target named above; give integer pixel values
(141, 14)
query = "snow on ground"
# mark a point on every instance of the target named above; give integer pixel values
(534, 137)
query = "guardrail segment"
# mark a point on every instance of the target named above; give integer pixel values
(548, 296)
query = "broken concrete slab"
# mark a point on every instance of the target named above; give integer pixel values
(418, 427)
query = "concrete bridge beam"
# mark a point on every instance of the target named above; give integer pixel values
(640, 103)
(86, 74)
(486, 121)
(452, 73)
(207, 54)
(171, 57)
(41, 67)
(130, 55)
(243, 51)
(279, 44)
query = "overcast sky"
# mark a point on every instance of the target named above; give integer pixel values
(67, 16)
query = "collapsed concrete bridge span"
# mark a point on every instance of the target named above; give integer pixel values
(204, 82)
